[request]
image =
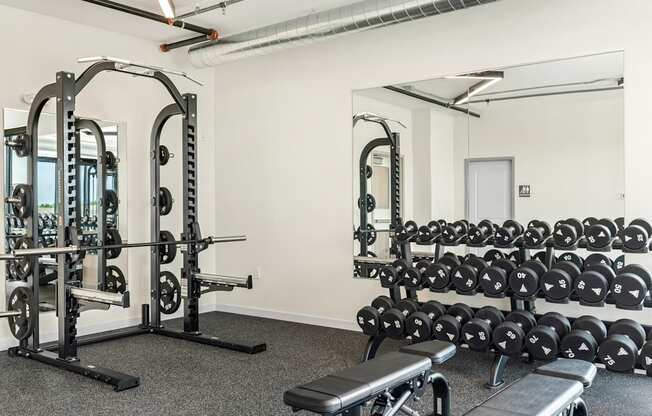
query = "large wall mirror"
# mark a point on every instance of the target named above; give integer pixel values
(15, 174)
(541, 141)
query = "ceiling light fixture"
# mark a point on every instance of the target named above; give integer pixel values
(487, 79)
(167, 7)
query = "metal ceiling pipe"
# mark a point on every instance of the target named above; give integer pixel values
(363, 15)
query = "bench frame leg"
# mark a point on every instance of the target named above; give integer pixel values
(497, 372)
(441, 394)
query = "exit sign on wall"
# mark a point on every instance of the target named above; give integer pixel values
(524, 191)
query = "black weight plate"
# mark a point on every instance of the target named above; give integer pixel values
(113, 238)
(418, 326)
(437, 276)
(169, 294)
(635, 237)
(524, 282)
(628, 290)
(23, 208)
(370, 234)
(368, 319)
(369, 171)
(163, 155)
(167, 253)
(371, 203)
(493, 254)
(20, 300)
(111, 202)
(115, 280)
(573, 258)
(164, 201)
(630, 328)
(598, 236)
(465, 278)
(565, 235)
(597, 258)
(493, 281)
(591, 286)
(21, 268)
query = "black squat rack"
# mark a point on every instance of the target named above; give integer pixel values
(167, 292)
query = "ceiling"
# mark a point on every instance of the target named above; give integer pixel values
(248, 14)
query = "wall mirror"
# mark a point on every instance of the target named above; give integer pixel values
(15, 174)
(540, 142)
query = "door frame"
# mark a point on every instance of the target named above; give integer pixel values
(468, 161)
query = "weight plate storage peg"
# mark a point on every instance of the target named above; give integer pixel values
(369, 316)
(169, 293)
(630, 287)
(371, 203)
(619, 352)
(115, 280)
(20, 300)
(393, 320)
(113, 238)
(558, 282)
(163, 155)
(636, 237)
(582, 342)
(509, 336)
(164, 201)
(542, 342)
(111, 202)
(448, 327)
(524, 280)
(478, 331)
(21, 201)
(418, 326)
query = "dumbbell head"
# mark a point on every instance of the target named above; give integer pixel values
(537, 231)
(391, 276)
(542, 342)
(418, 325)
(450, 260)
(582, 342)
(557, 283)
(479, 233)
(406, 231)
(524, 280)
(506, 234)
(412, 275)
(465, 276)
(573, 258)
(601, 233)
(567, 232)
(393, 320)
(427, 232)
(589, 221)
(619, 352)
(454, 231)
(619, 263)
(369, 316)
(645, 356)
(478, 331)
(448, 327)
(593, 284)
(637, 235)
(437, 276)
(509, 337)
(493, 279)
(492, 255)
(542, 256)
(597, 258)
(630, 287)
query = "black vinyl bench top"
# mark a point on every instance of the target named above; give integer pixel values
(349, 387)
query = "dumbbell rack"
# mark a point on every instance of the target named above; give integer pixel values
(500, 361)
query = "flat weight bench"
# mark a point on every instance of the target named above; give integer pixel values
(551, 390)
(389, 380)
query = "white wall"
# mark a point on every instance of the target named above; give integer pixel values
(31, 59)
(284, 109)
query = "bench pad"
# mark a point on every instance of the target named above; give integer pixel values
(438, 351)
(533, 395)
(582, 371)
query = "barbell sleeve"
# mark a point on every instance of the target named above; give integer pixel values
(92, 295)
(372, 260)
(8, 314)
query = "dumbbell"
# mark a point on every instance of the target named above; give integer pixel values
(636, 237)
(542, 257)
(598, 258)
(406, 231)
(437, 275)
(477, 332)
(630, 287)
(567, 233)
(557, 283)
(542, 342)
(509, 336)
(515, 257)
(448, 327)
(582, 342)
(589, 221)
(492, 255)
(524, 280)
(493, 279)
(573, 258)
(392, 275)
(508, 233)
(537, 232)
(369, 316)
(592, 286)
(619, 352)
(646, 355)
(601, 234)
(478, 234)
(413, 276)
(618, 263)
(465, 276)
(418, 325)
(393, 320)
(427, 233)
(453, 232)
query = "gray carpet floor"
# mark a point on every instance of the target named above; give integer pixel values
(183, 378)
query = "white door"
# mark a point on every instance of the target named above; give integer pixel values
(489, 190)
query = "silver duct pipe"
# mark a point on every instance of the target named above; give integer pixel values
(363, 15)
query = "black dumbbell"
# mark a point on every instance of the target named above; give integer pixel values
(427, 233)
(630, 287)
(536, 234)
(592, 286)
(557, 283)
(567, 233)
(582, 342)
(515, 257)
(573, 258)
(646, 355)
(542, 257)
(478, 234)
(453, 232)
(447, 328)
(509, 336)
(601, 234)
(508, 233)
(413, 276)
(465, 276)
(369, 316)
(492, 255)
(589, 221)
(493, 279)
(618, 263)
(406, 231)
(393, 320)
(524, 280)
(636, 237)
(418, 326)
(542, 342)
(391, 275)
(437, 275)
(619, 352)
(598, 258)
(478, 331)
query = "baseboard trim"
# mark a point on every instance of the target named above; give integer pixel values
(289, 316)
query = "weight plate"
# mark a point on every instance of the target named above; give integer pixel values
(437, 275)
(370, 234)
(371, 203)
(164, 201)
(110, 160)
(113, 238)
(573, 258)
(115, 280)
(167, 253)
(21, 268)
(169, 293)
(111, 202)
(493, 281)
(20, 300)
(493, 254)
(163, 155)
(22, 208)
